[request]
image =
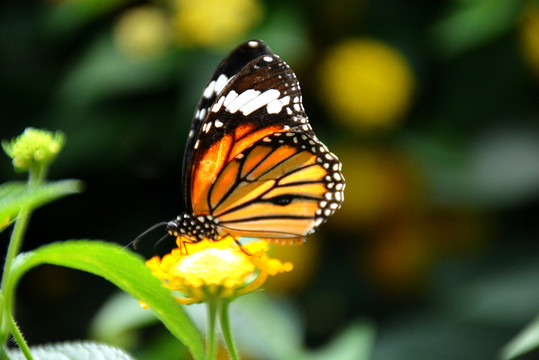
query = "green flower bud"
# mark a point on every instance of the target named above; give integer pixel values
(34, 148)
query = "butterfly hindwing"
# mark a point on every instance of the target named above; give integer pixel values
(283, 187)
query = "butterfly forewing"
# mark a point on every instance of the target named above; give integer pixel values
(225, 71)
(262, 99)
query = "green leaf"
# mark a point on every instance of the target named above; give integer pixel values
(16, 195)
(527, 340)
(123, 268)
(474, 23)
(65, 19)
(117, 319)
(266, 328)
(104, 71)
(73, 351)
(270, 328)
(355, 342)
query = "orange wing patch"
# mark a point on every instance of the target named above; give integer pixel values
(311, 190)
(294, 162)
(254, 158)
(210, 163)
(208, 166)
(303, 208)
(243, 130)
(249, 139)
(244, 192)
(271, 228)
(310, 173)
(269, 162)
(225, 181)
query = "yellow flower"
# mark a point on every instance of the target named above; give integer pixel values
(214, 22)
(142, 32)
(209, 270)
(34, 147)
(366, 83)
(529, 36)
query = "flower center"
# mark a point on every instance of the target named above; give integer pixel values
(214, 266)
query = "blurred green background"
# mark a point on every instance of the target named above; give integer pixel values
(432, 108)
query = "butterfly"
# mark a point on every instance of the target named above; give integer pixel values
(253, 166)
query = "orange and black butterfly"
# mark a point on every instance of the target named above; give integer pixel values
(253, 166)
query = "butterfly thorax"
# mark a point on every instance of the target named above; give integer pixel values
(195, 228)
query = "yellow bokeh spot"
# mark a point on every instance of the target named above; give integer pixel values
(400, 256)
(305, 258)
(366, 83)
(214, 22)
(381, 184)
(401, 252)
(143, 32)
(529, 36)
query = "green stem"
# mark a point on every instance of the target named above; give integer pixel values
(211, 339)
(35, 176)
(224, 319)
(13, 249)
(17, 335)
(3, 353)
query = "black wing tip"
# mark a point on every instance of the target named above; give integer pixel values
(250, 50)
(254, 43)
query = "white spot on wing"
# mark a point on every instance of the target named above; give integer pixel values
(218, 123)
(218, 104)
(275, 106)
(208, 92)
(261, 100)
(220, 83)
(230, 97)
(242, 99)
(202, 114)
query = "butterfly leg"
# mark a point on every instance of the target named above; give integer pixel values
(183, 245)
(241, 247)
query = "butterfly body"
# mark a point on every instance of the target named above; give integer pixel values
(253, 166)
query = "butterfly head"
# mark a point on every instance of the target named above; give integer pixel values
(195, 228)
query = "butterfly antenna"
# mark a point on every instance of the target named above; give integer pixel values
(159, 242)
(135, 242)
